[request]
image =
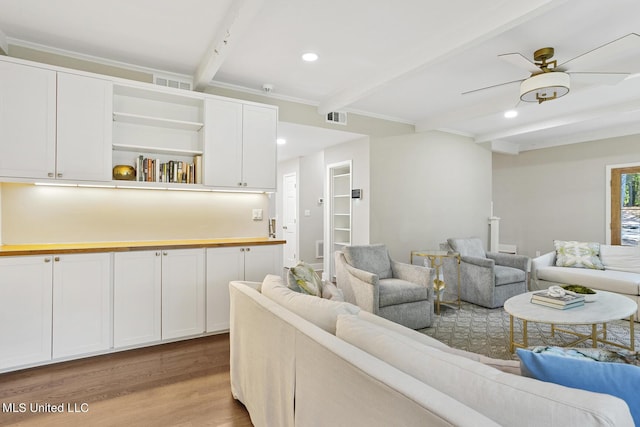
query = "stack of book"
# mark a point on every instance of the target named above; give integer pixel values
(153, 170)
(564, 302)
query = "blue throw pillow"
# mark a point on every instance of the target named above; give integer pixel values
(618, 379)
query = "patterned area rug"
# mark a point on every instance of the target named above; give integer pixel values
(486, 331)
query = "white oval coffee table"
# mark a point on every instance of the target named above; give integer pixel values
(608, 306)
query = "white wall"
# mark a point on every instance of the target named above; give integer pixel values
(427, 187)
(556, 193)
(44, 214)
(311, 188)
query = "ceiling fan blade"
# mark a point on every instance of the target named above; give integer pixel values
(490, 87)
(598, 78)
(624, 46)
(520, 61)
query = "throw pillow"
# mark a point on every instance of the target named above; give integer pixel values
(331, 291)
(571, 369)
(303, 278)
(578, 254)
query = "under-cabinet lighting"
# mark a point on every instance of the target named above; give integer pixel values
(55, 184)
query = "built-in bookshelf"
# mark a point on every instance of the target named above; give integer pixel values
(159, 132)
(339, 208)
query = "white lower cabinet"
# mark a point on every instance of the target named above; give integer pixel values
(158, 295)
(137, 298)
(183, 290)
(81, 304)
(250, 263)
(25, 310)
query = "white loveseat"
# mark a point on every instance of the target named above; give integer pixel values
(621, 272)
(300, 360)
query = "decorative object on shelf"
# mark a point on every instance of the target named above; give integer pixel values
(124, 173)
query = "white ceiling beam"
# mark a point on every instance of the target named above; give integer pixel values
(562, 121)
(453, 117)
(236, 22)
(492, 22)
(4, 46)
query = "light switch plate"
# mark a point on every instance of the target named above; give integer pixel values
(257, 215)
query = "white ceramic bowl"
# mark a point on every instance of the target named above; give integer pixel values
(591, 297)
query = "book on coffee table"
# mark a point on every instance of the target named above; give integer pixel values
(557, 306)
(562, 300)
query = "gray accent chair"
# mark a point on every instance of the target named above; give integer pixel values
(487, 278)
(370, 279)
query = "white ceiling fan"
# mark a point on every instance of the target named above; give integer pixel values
(550, 80)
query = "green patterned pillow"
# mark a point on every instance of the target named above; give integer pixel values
(303, 278)
(578, 254)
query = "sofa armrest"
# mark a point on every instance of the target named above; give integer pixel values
(413, 273)
(521, 262)
(477, 261)
(544, 260)
(363, 287)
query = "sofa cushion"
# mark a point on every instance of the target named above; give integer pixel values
(506, 275)
(303, 278)
(398, 291)
(511, 366)
(621, 258)
(468, 247)
(568, 369)
(614, 281)
(505, 398)
(578, 254)
(319, 311)
(372, 258)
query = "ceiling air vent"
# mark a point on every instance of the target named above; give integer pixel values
(337, 117)
(172, 82)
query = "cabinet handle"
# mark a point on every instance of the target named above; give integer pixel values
(248, 249)
(158, 253)
(59, 175)
(241, 249)
(50, 174)
(244, 184)
(239, 184)
(47, 260)
(164, 253)
(56, 259)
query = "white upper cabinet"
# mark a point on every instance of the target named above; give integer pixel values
(54, 125)
(240, 145)
(27, 121)
(84, 128)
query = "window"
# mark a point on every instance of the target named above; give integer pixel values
(625, 206)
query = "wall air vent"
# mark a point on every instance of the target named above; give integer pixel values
(337, 118)
(171, 82)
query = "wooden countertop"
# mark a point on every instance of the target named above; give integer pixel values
(71, 248)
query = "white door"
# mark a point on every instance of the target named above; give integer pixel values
(183, 290)
(25, 310)
(137, 297)
(290, 219)
(81, 304)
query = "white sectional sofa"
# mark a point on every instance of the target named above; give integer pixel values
(301, 360)
(621, 272)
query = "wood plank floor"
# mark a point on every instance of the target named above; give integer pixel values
(178, 384)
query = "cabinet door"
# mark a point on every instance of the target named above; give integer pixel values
(223, 144)
(262, 260)
(182, 293)
(25, 310)
(259, 129)
(84, 128)
(27, 121)
(223, 266)
(137, 298)
(81, 304)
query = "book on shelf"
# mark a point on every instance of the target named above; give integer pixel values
(558, 306)
(172, 171)
(566, 299)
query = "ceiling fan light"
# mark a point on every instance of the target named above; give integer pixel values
(545, 87)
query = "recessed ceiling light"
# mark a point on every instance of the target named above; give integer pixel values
(310, 57)
(281, 141)
(511, 114)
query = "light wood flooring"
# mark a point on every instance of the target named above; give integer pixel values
(178, 384)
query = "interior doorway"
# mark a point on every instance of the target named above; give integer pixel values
(290, 219)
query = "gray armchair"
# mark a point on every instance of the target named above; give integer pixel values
(370, 279)
(487, 278)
